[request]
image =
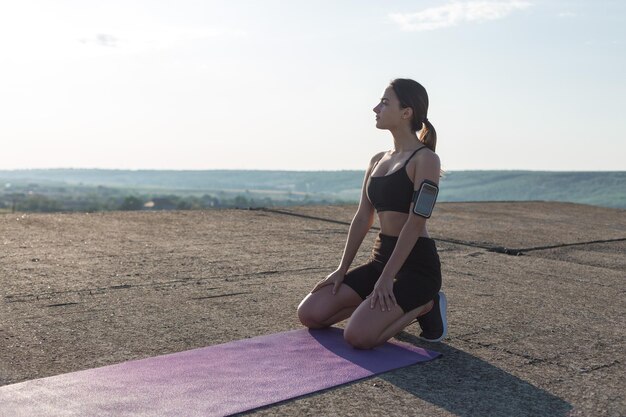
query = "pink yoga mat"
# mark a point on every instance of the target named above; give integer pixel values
(212, 381)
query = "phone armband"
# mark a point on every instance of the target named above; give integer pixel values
(424, 199)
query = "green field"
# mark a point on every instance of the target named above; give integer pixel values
(98, 190)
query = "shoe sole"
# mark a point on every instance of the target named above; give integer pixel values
(443, 308)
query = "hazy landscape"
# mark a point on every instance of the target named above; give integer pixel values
(104, 190)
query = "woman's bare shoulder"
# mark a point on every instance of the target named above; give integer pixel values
(377, 157)
(428, 156)
(426, 166)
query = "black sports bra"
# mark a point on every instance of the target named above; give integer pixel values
(392, 192)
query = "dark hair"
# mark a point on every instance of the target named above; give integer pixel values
(412, 94)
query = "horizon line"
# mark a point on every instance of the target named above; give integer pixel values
(292, 170)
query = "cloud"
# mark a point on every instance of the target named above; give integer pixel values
(102, 39)
(157, 38)
(455, 13)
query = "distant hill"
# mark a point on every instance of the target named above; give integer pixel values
(606, 189)
(339, 183)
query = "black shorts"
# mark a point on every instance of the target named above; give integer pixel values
(418, 280)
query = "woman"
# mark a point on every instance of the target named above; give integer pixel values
(402, 279)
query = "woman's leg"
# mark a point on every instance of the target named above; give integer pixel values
(323, 308)
(414, 288)
(369, 327)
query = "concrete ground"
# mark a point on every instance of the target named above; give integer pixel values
(537, 334)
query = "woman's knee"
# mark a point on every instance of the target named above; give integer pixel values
(322, 308)
(309, 315)
(359, 338)
(309, 319)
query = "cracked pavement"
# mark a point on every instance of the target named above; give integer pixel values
(541, 333)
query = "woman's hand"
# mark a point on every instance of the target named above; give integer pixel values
(335, 279)
(383, 294)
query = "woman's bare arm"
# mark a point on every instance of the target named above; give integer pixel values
(361, 223)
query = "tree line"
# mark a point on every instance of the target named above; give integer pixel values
(47, 202)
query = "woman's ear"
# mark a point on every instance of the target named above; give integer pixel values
(407, 113)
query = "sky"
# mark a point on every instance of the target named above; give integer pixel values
(290, 85)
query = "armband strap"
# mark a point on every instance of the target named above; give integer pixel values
(424, 198)
(416, 193)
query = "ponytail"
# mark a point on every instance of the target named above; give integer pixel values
(428, 135)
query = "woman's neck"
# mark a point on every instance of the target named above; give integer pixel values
(404, 140)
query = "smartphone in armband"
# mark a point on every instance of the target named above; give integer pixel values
(424, 199)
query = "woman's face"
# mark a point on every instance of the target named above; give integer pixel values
(389, 112)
